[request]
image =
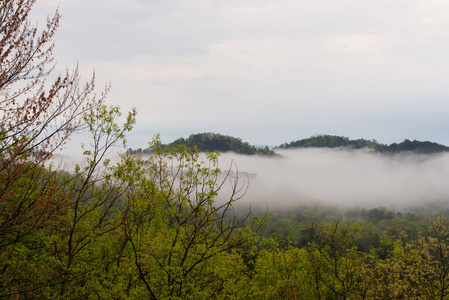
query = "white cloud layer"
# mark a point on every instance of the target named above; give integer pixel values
(352, 178)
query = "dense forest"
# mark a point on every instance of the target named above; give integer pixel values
(223, 143)
(332, 141)
(152, 228)
(214, 142)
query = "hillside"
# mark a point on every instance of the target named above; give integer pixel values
(415, 146)
(209, 141)
(215, 142)
(332, 141)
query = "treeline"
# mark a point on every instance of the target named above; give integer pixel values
(374, 224)
(214, 142)
(223, 143)
(332, 141)
(332, 266)
(414, 146)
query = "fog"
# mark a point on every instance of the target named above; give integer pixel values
(350, 177)
(333, 176)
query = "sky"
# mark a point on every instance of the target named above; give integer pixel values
(266, 71)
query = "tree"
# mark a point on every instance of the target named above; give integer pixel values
(39, 112)
(38, 116)
(339, 270)
(184, 243)
(282, 273)
(96, 200)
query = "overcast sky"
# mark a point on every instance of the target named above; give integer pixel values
(267, 71)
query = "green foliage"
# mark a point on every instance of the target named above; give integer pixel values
(184, 247)
(332, 266)
(211, 142)
(332, 141)
(282, 274)
(137, 229)
(415, 146)
(374, 224)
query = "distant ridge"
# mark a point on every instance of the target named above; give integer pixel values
(209, 141)
(332, 141)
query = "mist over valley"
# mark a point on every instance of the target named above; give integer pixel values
(332, 170)
(347, 177)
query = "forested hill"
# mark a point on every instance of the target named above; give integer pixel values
(223, 143)
(215, 142)
(415, 146)
(332, 141)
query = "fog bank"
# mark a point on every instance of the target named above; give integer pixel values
(332, 176)
(350, 177)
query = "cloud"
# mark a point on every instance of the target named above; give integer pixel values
(332, 176)
(433, 12)
(353, 178)
(356, 44)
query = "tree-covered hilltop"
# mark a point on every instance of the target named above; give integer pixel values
(415, 146)
(332, 141)
(209, 141)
